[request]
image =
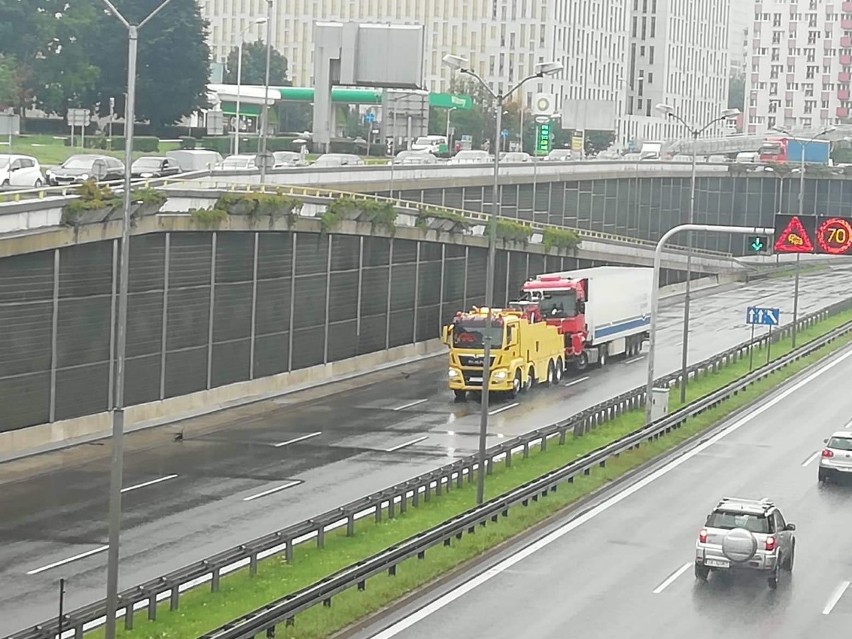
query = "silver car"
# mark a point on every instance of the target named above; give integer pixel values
(836, 459)
(745, 535)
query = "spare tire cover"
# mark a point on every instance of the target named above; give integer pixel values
(739, 545)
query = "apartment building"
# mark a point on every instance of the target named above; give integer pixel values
(679, 55)
(800, 64)
(503, 39)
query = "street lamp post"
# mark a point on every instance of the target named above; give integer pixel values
(695, 132)
(655, 293)
(238, 118)
(117, 465)
(265, 113)
(825, 131)
(462, 66)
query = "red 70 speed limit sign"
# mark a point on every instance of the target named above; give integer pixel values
(834, 235)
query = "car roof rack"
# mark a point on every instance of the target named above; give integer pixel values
(764, 503)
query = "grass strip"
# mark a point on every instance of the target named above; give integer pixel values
(200, 610)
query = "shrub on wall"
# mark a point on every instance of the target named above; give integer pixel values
(560, 238)
(378, 214)
(510, 231)
(256, 205)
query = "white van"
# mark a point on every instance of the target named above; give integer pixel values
(195, 159)
(748, 157)
(434, 144)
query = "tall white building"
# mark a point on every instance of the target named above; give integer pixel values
(800, 64)
(741, 23)
(503, 39)
(678, 55)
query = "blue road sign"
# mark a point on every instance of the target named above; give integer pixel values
(504, 133)
(370, 117)
(763, 316)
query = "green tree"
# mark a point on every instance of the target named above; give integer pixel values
(10, 89)
(736, 91)
(173, 63)
(477, 122)
(47, 39)
(254, 66)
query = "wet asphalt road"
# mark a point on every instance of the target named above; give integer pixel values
(251, 470)
(627, 570)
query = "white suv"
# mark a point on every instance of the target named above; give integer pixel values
(20, 171)
(745, 535)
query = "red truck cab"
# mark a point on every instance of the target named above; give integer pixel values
(559, 302)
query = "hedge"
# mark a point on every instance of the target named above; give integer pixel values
(249, 144)
(141, 143)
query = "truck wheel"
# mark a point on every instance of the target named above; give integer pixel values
(581, 361)
(530, 379)
(551, 374)
(560, 370)
(517, 385)
(461, 395)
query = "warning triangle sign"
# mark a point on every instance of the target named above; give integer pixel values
(794, 238)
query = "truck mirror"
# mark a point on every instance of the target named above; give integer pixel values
(446, 334)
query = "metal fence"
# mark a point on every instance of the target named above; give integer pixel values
(396, 499)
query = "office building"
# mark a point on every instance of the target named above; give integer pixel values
(503, 39)
(800, 65)
(741, 22)
(678, 55)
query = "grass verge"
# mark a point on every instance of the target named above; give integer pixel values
(201, 610)
(51, 150)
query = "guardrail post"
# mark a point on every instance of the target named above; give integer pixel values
(403, 500)
(543, 445)
(391, 507)
(562, 434)
(526, 450)
(460, 477)
(270, 632)
(128, 617)
(214, 581)
(321, 536)
(438, 486)
(152, 607)
(78, 631)
(415, 496)
(288, 551)
(427, 491)
(174, 598)
(379, 510)
(350, 525)
(508, 461)
(253, 565)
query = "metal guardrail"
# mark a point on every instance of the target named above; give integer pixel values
(415, 207)
(387, 502)
(285, 609)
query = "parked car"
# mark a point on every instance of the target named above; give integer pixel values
(20, 171)
(836, 459)
(560, 155)
(288, 158)
(241, 162)
(79, 168)
(196, 159)
(434, 144)
(338, 159)
(415, 157)
(154, 167)
(745, 535)
(515, 157)
(471, 157)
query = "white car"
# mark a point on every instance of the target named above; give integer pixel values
(242, 162)
(415, 157)
(515, 157)
(20, 171)
(471, 157)
(338, 159)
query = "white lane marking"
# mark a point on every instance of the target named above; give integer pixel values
(634, 360)
(412, 404)
(82, 555)
(148, 483)
(672, 578)
(289, 484)
(504, 409)
(811, 459)
(576, 381)
(835, 597)
(297, 439)
(548, 539)
(411, 443)
(848, 426)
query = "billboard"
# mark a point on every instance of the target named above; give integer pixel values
(590, 115)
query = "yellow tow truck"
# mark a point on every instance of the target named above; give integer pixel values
(523, 353)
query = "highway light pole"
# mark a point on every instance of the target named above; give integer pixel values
(462, 65)
(668, 111)
(238, 118)
(117, 466)
(655, 292)
(825, 131)
(265, 112)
